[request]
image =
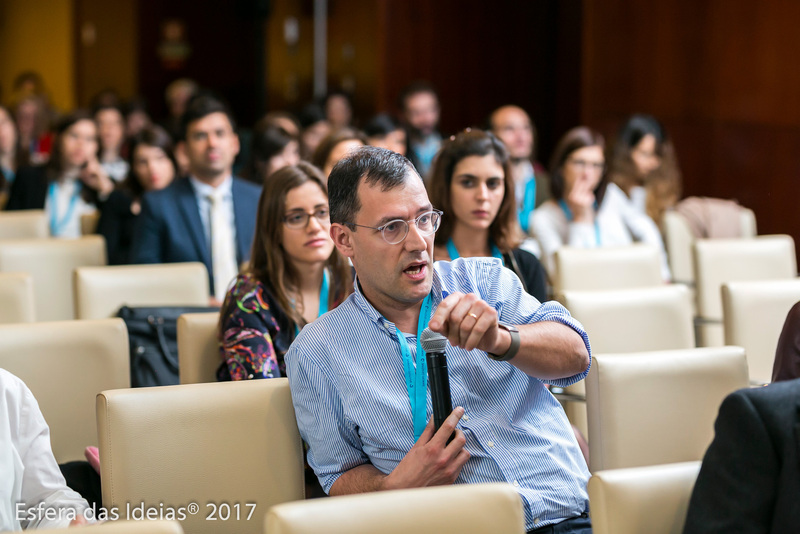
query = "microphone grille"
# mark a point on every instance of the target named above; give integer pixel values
(432, 342)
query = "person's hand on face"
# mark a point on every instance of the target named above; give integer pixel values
(93, 175)
(581, 201)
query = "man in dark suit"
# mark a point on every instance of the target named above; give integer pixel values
(209, 216)
(750, 478)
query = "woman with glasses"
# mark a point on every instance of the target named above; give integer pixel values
(471, 182)
(295, 275)
(586, 211)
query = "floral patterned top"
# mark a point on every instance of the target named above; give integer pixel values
(255, 333)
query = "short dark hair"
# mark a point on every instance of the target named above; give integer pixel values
(376, 166)
(381, 125)
(152, 136)
(201, 106)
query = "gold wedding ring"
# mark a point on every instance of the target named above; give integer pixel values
(473, 316)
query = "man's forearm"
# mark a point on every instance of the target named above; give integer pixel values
(550, 350)
(361, 479)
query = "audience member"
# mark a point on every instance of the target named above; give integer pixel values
(338, 109)
(136, 117)
(152, 167)
(111, 133)
(33, 127)
(471, 182)
(272, 148)
(516, 130)
(285, 120)
(787, 355)
(749, 481)
(71, 183)
(314, 129)
(209, 217)
(177, 96)
(294, 276)
(334, 147)
(644, 166)
(34, 493)
(420, 106)
(9, 147)
(586, 211)
(363, 412)
(384, 131)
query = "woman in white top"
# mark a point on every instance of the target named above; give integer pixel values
(586, 211)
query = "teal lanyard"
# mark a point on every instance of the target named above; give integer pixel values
(417, 378)
(452, 251)
(323, 299)
(568, 214)
(57, 226)
(528, 203)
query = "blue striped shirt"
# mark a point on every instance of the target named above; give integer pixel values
(349, 393)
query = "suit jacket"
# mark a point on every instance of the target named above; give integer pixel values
(29, 189)
(169, 228)
(750, 478)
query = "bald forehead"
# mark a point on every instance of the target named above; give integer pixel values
(507, 114)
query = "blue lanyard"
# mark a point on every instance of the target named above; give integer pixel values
(323, 299)
(452, 251)
(568, 213)
(57, 226)
(417, 379)
(528, 204)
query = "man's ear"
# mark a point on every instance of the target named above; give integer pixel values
(342, 238)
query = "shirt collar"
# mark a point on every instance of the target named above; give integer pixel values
(376, 317)
(203, 190)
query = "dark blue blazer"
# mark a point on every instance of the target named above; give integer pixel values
(170, 230)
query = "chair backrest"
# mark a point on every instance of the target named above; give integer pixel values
(51, 262)
(129, 527)
(101, 291)
(678, 240)
(16, 298)
(66, 364)
(652, 499)
(634, 320)
(198, 347)
(753, 316)
(222, 443)
(462, 508)
(607, 268)
(650, 408)
(23, 224)
(89, 223)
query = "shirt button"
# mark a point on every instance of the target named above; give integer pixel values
(536, 521)
(516, 484)
(491, 444)
(465, 417)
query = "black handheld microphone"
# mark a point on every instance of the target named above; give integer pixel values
(434, 345)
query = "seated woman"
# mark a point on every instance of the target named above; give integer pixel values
(586, 211)
(644, 166)
(334, 147)
(272, 148)
(152, 167)
(295, 275)
(471, 182)
(111, 134)
(70, 184)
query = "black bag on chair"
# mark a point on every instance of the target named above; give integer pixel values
(153, 340)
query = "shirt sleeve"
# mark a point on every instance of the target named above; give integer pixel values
(247, 332)
(503, 290)
(48, 501)
(334, 444)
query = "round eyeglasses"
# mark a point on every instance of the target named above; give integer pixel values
(299, 219)
(395, 231)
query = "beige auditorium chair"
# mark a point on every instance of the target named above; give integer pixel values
(198, 347)
(659, 407)
(126, 527)
(629, 320)
(753, 317)
(101, 291)
(23, 224)
(222, 443)
(631, 266)
(717, 261)
(679, 240)
(16, 298)
(66, 364)
(652, 499)
(89, 223)
(462, 508)
(51, 263)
